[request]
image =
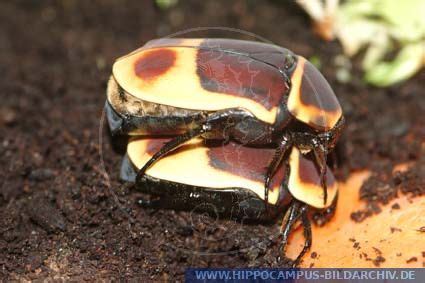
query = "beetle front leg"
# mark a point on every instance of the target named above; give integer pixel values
(320, 155)
(171, 146)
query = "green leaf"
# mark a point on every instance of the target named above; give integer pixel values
(165, 4)
(408, 61)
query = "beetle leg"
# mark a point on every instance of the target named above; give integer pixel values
(171, 146)
(320, 155)
(291, 217)
(296, 211)
(283, 146)
(307, 235)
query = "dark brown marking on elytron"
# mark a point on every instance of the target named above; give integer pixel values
(309, 174)
(154, 63)
(154, 145)
(316, 91)
(247, 162)
(241, 76)
(271, 54)
(278, 178)
(279, 60)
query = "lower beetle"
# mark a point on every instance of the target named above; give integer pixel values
(250, 92)
(229, 178)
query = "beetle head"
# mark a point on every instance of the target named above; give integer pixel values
(328, 139)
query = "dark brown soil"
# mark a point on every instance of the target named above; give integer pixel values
(385, 185)
(58, 218)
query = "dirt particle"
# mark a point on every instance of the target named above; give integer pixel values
(422, 229)
(185, 231)
(377, 251)
(394, 229)
(356, 245)
(313, 255)
(378, 260)
(8, 116)
(395, 206)
(43, 213)
(41, 174)
(360, 215)
(412, 259)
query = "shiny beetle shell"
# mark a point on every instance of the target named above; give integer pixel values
(230, 166)
(216, 74)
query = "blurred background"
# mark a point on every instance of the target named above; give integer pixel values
(58, 218)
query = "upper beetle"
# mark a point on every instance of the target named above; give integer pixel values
(250, 92)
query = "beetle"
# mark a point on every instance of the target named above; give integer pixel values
(253, 93)
(228, 180)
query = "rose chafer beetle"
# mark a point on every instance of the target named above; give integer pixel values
(228, 180)
(252, 93)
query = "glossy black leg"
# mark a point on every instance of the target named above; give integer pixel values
(295, 212)
(171, 146)
(307, 235)
(283, 146)
(320, 155)
(290, 218)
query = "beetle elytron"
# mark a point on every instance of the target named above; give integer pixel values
(249, 92)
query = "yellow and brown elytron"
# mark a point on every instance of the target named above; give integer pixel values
(209, 75)
(229, 177)
(246, 92)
